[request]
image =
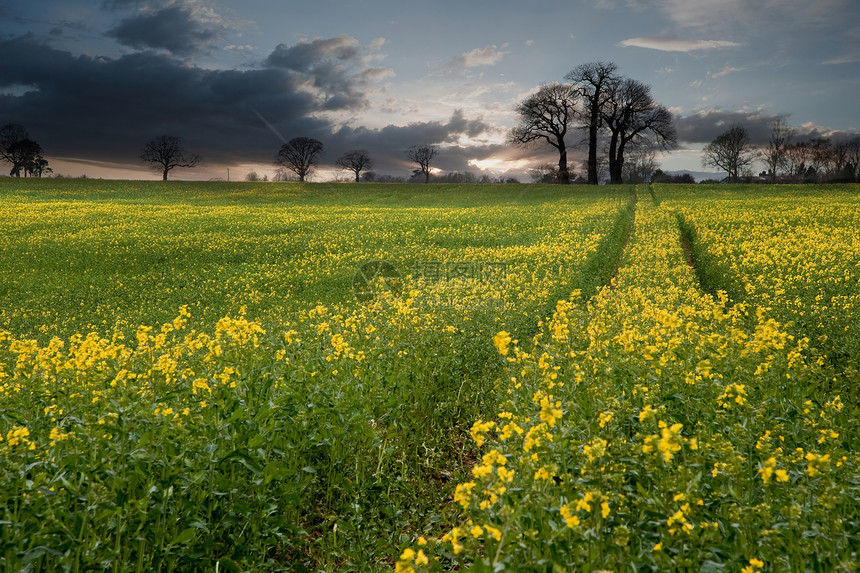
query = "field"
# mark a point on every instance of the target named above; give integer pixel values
(198, 377)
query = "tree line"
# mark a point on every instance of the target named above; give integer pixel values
(616, 118)
(814, 160)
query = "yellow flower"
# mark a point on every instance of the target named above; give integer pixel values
(570, 519)
(766, 469)
(502, 340)
(604, 418)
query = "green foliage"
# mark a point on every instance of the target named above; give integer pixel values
(274, 422)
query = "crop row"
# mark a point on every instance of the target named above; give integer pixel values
(796, 253)
(258, 444)
(656, 427)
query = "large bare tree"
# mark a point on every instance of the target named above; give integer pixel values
(165, 153)
(357, 160)
(548, 115)
(593, 81)
(299, 155)
(730, 151)
(633, 118)
(422, 155)
(775, 155)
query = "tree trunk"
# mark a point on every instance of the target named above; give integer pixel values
(563, 173)
(613, 157)
(164, 175)
(592, 148)
(356, 176)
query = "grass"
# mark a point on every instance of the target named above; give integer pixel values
(200, 388)
(188, 382)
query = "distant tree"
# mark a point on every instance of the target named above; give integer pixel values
(852, 147)
(165, 153)
(17, 148)
(683, 178)
(548, 115)
(796, 160)
(38, 166)
(730, 151)
(357, 160)
(820, 155)
(422, 155)
(639, 165)
(633, 118)
(775, 155)
(592, 81)
(545, 173)
(252, 176)
(660, 177)
(299, 155)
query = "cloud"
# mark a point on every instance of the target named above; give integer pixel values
(333, 70)
(705, 126)
(727, 69)
(174, 28)
(675, 44)
(104, 109)
(486, 56)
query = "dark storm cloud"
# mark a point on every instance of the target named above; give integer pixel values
(105, 109)
(174, 28)
(389, 144)
(327, 65)
(705, 126)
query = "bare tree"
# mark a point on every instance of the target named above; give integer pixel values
(852, 147)
(730, 151)
(592, 81)
(299, 155)
(357, 160)
(820, 155)
(640, 164)
(633, 118)
(775, 155)
(548, 115)
(422, 155)
(796, 159)
(165, 153)
(23, 153)
(545, 173)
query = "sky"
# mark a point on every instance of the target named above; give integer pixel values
(93, 81)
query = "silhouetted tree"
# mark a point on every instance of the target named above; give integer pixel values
(852, 147)
(548, 115)
(730, 151)
(796, 159)
(775, 155)
(639, 164)
(422, 155)
(592, 81)
(633, 118)
(38, 166)
(299, 155)
(165, 153)
(17, 148)
(357, 160)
